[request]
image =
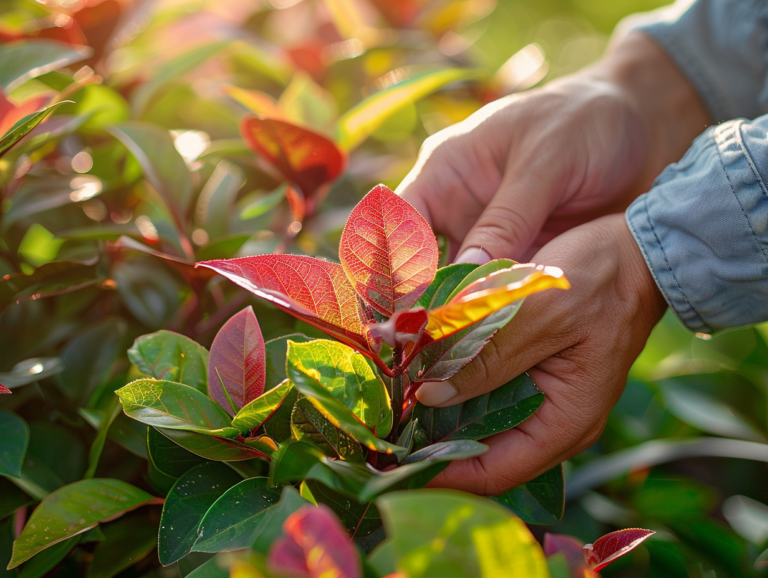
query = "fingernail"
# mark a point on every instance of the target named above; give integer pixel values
(436, 392)
(474, 255)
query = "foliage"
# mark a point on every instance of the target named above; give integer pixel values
(137, 139)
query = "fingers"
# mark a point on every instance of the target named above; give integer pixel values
(511, 222)
(555, 433)
(510, 352)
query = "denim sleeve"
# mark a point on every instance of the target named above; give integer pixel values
(722, 47)
(703, 228)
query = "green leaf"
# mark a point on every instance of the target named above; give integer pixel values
(25, 126)
(171, 70)
(11, 499)
(216, 201)
(360, 520)
(308, 424)
(539, 501)
(209, 569)
(26, 59)
(479, 273)
(88, 357)
(347, 376)
(298, 460)
(97, 447)
(420, 467)
(148, 290)
(72, 510)
(445, 281)
(30, 371)
(125, 543)
(211, 447)
(485, 415)
(170, 356)
(47, 560)
(362, 120)
(238, 517)
(262, 408)
(168, 457)
(438, 533)
(162, 164)
(706, 412)
(263, 204)
(277, 352)
(223, 248)
(186, 505)
(174, 406)
(58, 276)
(14, 433)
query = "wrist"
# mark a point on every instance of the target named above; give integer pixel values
(670, 110)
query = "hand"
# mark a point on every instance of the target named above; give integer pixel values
(577, 345)
(528, 167)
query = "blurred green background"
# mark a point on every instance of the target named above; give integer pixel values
(684, 450)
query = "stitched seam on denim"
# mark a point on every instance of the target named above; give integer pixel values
(740, 139)
(709, 93)
(698, 318)
(637, 236)
(737, 125)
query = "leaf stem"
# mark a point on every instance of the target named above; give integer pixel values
(396, 392)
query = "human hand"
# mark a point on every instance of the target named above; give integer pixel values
(528, 167)
(577, 345)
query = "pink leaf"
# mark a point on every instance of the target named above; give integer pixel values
(310, 289)
(614, 545)
(4, 389)
(388, 251)
(404, 328)
(237, 362)
(314, 545)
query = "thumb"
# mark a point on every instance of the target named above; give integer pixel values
(511, 222)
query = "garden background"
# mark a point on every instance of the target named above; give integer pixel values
(140, 170)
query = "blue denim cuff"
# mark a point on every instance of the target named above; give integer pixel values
(722, 47)
(703, 228)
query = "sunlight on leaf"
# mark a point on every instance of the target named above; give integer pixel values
(614, 545)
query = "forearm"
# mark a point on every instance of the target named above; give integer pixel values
(670, 108)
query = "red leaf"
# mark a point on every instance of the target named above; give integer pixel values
(306, 159)
(614, 545)
(238, 359)
(4, 389)
(388, 251)
(404, 328)
(296, 203)
(572, 551)
(314, 545)
(313, 290)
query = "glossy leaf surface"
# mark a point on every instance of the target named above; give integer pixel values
(172, 405)
(173, 357)
(14, 439)
(360, 520)
(21, 61)
(72, 510)
(168, 457)
(308, 424)
(313, 290)
(614, 545)
(245, 515)
(186, 505)
(237, 363)
(260, 409)
(125, 542)
(314, 545)
(347, 376)
(482, 416)
(388, 251)
(438, 533)
(277, 350)
(538, 501)
(212, 447)
(442, 286)
(4, 390)
(486, 296)
(305, 158)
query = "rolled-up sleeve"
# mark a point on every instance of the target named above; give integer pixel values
(703, 228)
(721, 46)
